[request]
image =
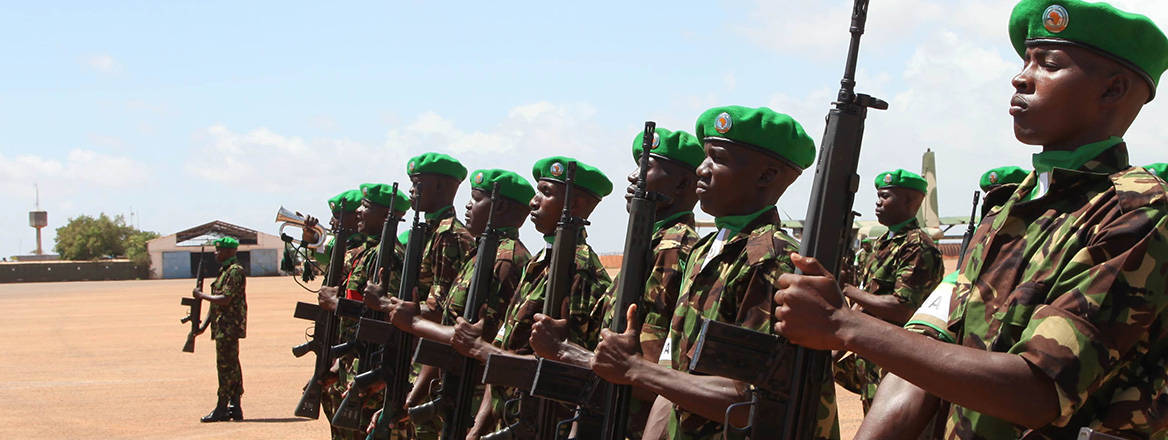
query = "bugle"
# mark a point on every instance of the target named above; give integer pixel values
(288, 218)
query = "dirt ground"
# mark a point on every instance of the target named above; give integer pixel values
(103, 360)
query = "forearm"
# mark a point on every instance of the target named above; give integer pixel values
(571, 353)
(998, 384)
(424, 328)
(899, 410)
(706, 396)
(886, 307)
(216, 299)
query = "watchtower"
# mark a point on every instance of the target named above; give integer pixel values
(38, 219)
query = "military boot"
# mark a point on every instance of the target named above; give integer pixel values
(219, 414)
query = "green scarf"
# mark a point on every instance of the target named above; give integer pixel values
(657, 225)
(430, 216)
(736, 223)
(1047, 161)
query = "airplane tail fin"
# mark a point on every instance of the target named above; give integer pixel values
(928, 216)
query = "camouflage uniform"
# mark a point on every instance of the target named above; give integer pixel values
(331, 396)
(448, 246)
(905, 264)
(588, 285)
(672, 243)
(1090, 309)
(734, 286)
(228, 326)
(510, 259)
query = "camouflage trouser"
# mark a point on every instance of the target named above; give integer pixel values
(858, 375)
(370, 404)
(227, 365)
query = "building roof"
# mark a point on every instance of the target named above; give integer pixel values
(244, 235)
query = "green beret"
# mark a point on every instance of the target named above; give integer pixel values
(347, 201)
(436, 163)
(1159, 169)
(1002, 176)
(1131, 39)
(382, 195)
(902, 179)
(511, 184)
(588, 177)
(677, 146)
(226, 242)
(764, 129)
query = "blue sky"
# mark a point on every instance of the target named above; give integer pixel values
(185, 113)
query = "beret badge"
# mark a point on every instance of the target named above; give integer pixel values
(888, 178)
(478, 178)
(557, 169)
(723, 123)
(656, 141)
(1055, 18)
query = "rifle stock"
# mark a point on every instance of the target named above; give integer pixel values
(832, 195)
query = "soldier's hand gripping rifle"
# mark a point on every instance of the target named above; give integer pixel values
(787, 379)
(324, 333)
(350, 412)
(965, 239)
(194, 316)
(460, 374)
(520, 372)
(397, 384)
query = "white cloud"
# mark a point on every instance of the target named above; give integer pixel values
(79, 170)
(102, 63)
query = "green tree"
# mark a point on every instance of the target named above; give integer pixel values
(90, 238)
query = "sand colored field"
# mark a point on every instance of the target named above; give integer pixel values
(103, 360)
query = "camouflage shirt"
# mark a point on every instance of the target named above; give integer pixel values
(364, 266)
(449, 245)
(735, 286)
(229, 320)
(905, 264)
(1089, 310)
(510, 259)
(587, 287)
(671, 245)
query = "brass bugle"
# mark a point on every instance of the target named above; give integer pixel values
(288, 218)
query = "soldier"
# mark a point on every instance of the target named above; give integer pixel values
(228, 325)
(1160, 169)
(1058, 318)
(343, 207)
(589, 281)
(752, 156)
(902, 269)
(673, 159)
(377, 199)
(510, 212)
(434, 179)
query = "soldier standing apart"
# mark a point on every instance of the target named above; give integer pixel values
(434, 179)
(228, 325)
(902, 269)
(589, 282)
(752, 156)
(673, 158)
(1059, 314)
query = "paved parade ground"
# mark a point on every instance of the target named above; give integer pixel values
(103, 360)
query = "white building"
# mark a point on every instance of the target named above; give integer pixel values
(177, 255)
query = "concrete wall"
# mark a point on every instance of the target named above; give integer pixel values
(26, 272)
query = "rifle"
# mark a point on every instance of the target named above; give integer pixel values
(513, 371)
(1091, 434)
(324, 332)
(969, 231)
(787, 379)
(196, 312)
(350, 413)
(397, 384)
(635, 268)
(456, 395)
